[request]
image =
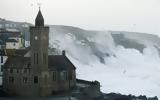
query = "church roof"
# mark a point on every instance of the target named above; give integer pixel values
(18, 62)
(55, 62)
(39, 19)
(60, 62)
(17, 52)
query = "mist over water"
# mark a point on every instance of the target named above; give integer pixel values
(118, 69)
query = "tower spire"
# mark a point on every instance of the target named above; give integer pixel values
(39, 19)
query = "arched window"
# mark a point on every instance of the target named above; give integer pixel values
(54, 76)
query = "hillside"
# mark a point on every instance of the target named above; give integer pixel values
(123, 62)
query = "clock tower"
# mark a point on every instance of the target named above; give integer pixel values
(39, 41)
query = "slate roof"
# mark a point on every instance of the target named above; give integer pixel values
(39, 19)
(16, 52)
(60, 62)
(11, 40)
(55, 62)
(18, 62)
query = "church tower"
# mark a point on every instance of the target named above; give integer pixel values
(39, 41)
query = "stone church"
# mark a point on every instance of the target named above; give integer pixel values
(32, 72)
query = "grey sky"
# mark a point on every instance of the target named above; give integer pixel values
(126, 15)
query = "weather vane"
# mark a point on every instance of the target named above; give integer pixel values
(39, 5)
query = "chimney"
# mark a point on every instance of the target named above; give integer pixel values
(64, 53)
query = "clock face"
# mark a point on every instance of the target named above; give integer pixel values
(36, 37)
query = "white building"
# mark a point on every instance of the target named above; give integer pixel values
(14, 43)
(10, 39)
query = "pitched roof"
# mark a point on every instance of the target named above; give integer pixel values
(11, 40)
(39, 19)
(17, 62)
(17, 58)
(60, 62)
(55, 62)
(16, 52)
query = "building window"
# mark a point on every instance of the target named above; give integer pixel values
(17, 70)
(34, 58)
(28, 65)
(25, 70)
(73, 75)
(70, 76)
(29, 70)
(25, 79)
(14, 44)
(11, 70)
(45, 79)
(37, 58)
(2, 68)
(11, 79)
(54, 76)
(35, 79)
(44, 58)
(63, 75)
(1, 59)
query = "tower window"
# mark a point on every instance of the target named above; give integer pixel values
(37, 58)
(44, 58)
(35, 79)
(54, 76)
(34, 58)
(11, 79)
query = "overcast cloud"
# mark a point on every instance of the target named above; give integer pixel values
(125, 15)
